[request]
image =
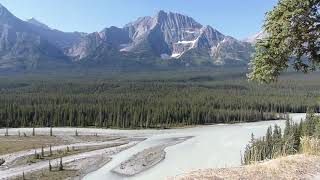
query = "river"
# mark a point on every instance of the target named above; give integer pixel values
(213, 146)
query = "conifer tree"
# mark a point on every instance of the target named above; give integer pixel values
(50, 166)
(60, 165)
(293, 34)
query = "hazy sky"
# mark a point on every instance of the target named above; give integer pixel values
(238, 18)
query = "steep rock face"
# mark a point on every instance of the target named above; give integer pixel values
(138, 29)
(86, 46)
(230, 49)
(114, 36)
(20, 46)
(62, 40)
(176, 27)
(209, 37)
(109, 38)
(173, 37)
(166, 36)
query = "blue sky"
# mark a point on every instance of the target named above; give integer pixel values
(238, 18)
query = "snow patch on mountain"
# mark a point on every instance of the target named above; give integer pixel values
(186, 42)
(176, 55)
(123, 47)
(170, 36)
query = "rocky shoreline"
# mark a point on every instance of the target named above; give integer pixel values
(146, 159)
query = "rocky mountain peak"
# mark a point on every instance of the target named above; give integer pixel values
(140, 27)
(35, 22)
(3, 10)
(115, 36)
(166, 35)
(1, 7)
(176, 20)
(6, 16)
(213, 35)
(260, 35)
(161, 14)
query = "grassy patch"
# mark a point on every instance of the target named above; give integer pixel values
(61, 153)
(11, 144)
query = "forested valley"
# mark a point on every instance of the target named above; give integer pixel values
(150, 99)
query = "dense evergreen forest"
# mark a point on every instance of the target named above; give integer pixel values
(297, 137)
(149, 99)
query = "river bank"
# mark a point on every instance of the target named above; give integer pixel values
(212, 146)
(289, 168)
(78, 159)
(146, 159)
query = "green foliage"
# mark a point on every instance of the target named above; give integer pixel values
(293, 28)
(273, 145)
(154, 100)
(309, 128)
(296, 137)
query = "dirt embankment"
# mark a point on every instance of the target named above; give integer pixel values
(288, 168)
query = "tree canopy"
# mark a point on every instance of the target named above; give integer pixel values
(293, 29)
(150, 100)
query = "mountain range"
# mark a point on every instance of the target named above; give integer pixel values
(260, 35)
(164, 39)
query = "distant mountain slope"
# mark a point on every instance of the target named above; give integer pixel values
(21, 46)
(164, 39)
(167, 36)
(38, 23)
(63, 40)
(260, 35)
